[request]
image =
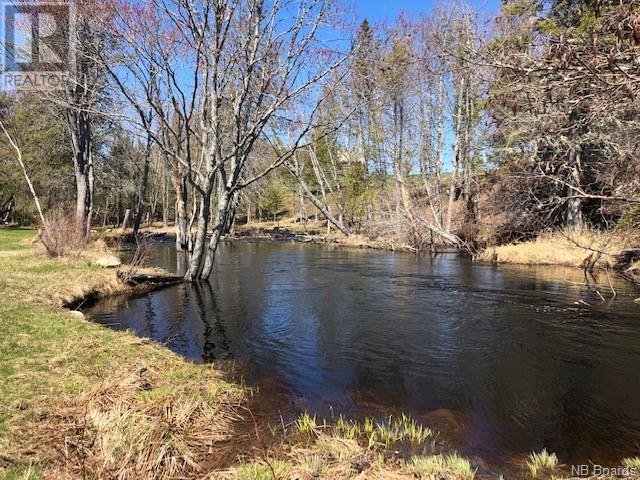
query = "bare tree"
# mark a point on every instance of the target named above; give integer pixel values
(232, 72)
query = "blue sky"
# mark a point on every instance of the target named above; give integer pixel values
(376, 10)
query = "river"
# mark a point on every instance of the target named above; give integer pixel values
(503, 360)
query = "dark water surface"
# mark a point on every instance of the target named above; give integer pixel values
(505, 360)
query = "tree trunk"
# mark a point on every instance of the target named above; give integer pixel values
(401, 178)
(81, 139)
(222, 214)
(194, 271)
(181, 221)
(142, 190)
(125, 221)
(439, 152)
(303, 210)
(456, 157)
(574, 219)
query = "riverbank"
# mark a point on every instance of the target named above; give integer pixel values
(78, 400)
(314, 232)
(583, 249)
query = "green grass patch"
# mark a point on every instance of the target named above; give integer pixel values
(26, 473)
(435, 467)
(274, 470)
(15, 238)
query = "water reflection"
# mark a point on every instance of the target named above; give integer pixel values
(509, 359)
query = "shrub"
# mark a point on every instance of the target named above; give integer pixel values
(60, 236)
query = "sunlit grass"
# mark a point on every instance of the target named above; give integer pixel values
(563, 248)
(306, 423)
(403, 428)
(541, 462)
(632, 462)
(15, 238)
(273, 470)
(435, 467)
(387, 432)
(349, 429)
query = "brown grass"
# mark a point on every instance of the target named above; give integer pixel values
(81, 401)
(569, 249)
(133, 424)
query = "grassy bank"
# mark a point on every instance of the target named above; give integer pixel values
(81, 401)
(78, 400)
(570, 249)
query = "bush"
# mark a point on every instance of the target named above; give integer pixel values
(60, 236)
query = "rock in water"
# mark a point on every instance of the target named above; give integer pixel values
(108, 261)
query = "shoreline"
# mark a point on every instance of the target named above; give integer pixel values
(69, 387)
(85, 384)
(589, 252)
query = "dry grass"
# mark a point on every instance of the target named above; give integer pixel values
(30, 277)
(331, 457)
(569, 249)
(78, 400)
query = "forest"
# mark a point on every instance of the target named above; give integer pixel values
(453, 128)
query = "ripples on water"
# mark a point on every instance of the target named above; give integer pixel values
(508, 359)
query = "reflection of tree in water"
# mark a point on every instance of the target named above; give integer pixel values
(149, 318)
(216, 343)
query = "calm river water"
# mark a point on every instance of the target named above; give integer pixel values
(504, 360)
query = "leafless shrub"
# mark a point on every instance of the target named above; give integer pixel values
(60, 235)
(140, 254)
